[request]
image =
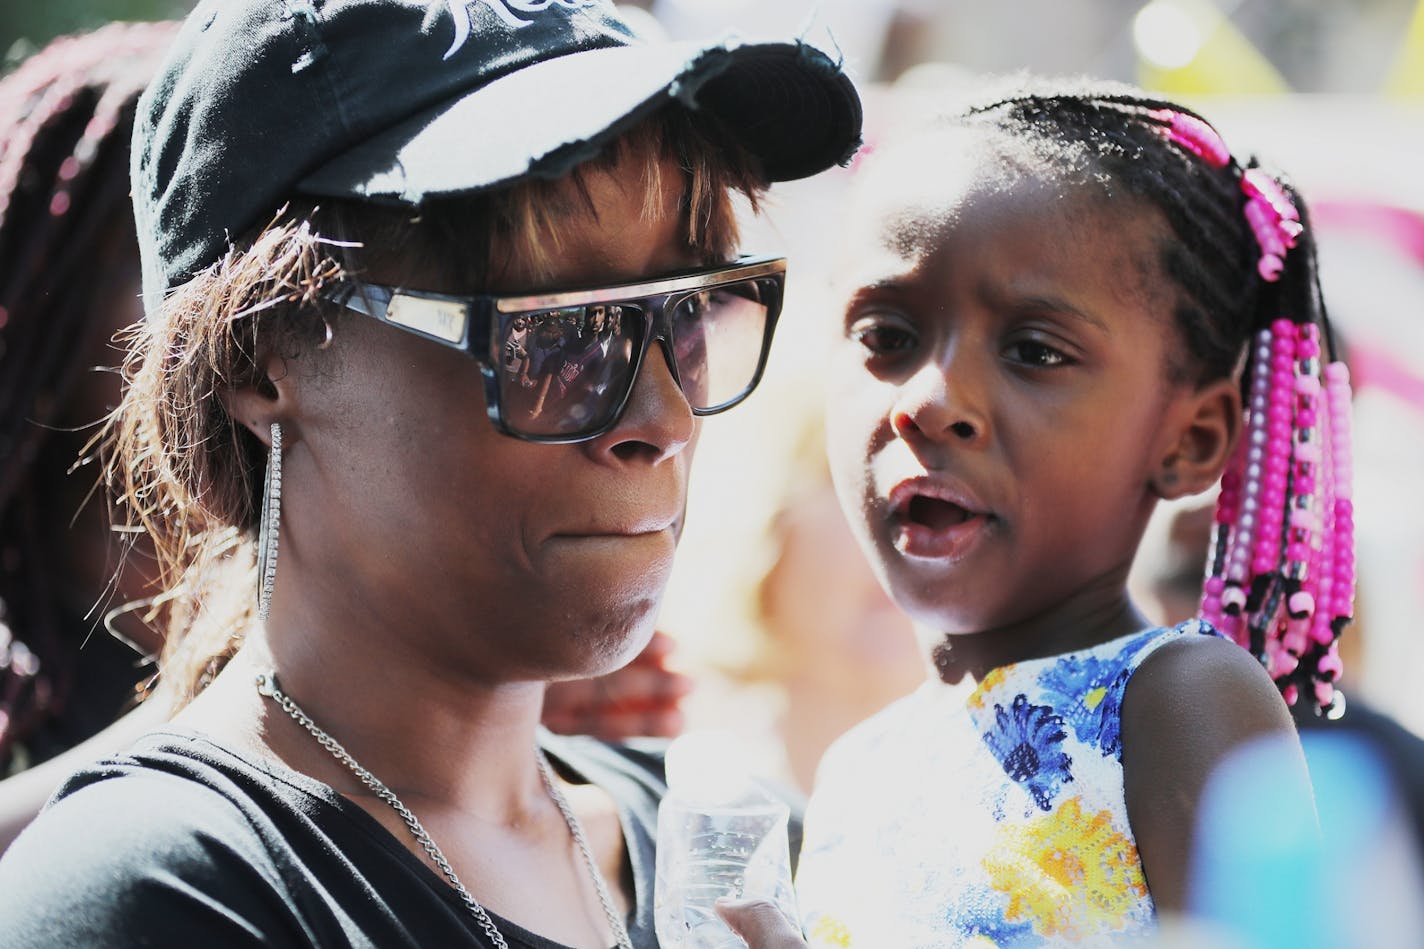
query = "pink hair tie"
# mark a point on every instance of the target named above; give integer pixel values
(1195, 135)
(1273, 218)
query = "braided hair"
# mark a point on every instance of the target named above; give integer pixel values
(66, 116)
(1241, 259)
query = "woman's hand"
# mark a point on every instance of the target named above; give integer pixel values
(761, 923)
(641, 699)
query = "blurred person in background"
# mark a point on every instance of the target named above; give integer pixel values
(69, 281)
(825, 646)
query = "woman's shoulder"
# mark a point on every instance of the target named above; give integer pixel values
(127, 847)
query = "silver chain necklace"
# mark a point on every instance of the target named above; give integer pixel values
(267, 685)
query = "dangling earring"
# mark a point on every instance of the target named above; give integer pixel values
(267, 527)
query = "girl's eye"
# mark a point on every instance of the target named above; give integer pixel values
(1030, 352)
(881, 339)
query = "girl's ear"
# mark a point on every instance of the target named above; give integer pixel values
(1209, 422)
(257, 405)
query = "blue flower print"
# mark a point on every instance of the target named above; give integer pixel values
(1028, 742)
(1087, 691)
(980, 915)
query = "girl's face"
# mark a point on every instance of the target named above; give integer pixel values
(998, 393)
(502, 558)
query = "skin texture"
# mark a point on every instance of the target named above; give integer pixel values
(435, 574)
(1005, 341)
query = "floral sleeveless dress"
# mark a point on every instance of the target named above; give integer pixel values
(996, 820)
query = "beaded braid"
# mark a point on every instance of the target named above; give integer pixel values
(1280, 576)
(65, 120)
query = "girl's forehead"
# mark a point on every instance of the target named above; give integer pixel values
(913, 191)
(918, 229)
(910, 205)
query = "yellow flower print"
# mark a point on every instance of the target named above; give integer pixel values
(829, 931)
(987, 685)
(1071, 876)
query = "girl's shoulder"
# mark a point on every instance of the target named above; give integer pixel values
(1198, 694)
(1193, 703)
(1205, 669)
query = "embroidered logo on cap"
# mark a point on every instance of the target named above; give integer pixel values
(509, 11)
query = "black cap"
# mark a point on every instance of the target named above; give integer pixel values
(396, 100)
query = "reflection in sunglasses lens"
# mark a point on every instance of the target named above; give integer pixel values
(566, 370)
(563, 372)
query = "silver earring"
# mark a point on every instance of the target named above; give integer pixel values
(268, 525)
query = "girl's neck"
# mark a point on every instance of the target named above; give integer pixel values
(1080, 623)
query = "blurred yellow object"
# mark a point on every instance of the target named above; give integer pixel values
(1188, 48)
(1406, 78)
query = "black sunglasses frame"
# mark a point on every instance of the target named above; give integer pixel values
(472, 325)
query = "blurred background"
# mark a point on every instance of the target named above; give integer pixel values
(770, 601)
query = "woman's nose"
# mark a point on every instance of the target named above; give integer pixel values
(657, 422)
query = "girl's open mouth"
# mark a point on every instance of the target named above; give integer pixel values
(928, 525)
(934, 513)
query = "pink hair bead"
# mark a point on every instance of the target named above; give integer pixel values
(1301, 604)
(1264, 224)
(1258, 183)
(1283, 663)
(1291, 694)
(1324, 694)
(1330, 666)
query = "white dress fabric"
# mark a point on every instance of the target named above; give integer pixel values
(993, 820)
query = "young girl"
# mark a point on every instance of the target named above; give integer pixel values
(1051, 299)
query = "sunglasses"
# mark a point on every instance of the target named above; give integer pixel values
(559, 367)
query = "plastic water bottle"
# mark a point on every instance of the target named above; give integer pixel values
(719, 834)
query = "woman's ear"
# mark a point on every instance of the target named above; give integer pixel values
(1208, 422)
(256, 405)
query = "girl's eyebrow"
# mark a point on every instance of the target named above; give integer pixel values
(881, 285)
(1059, 305)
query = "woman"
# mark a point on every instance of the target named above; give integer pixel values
(69, 283)
(366, 769)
